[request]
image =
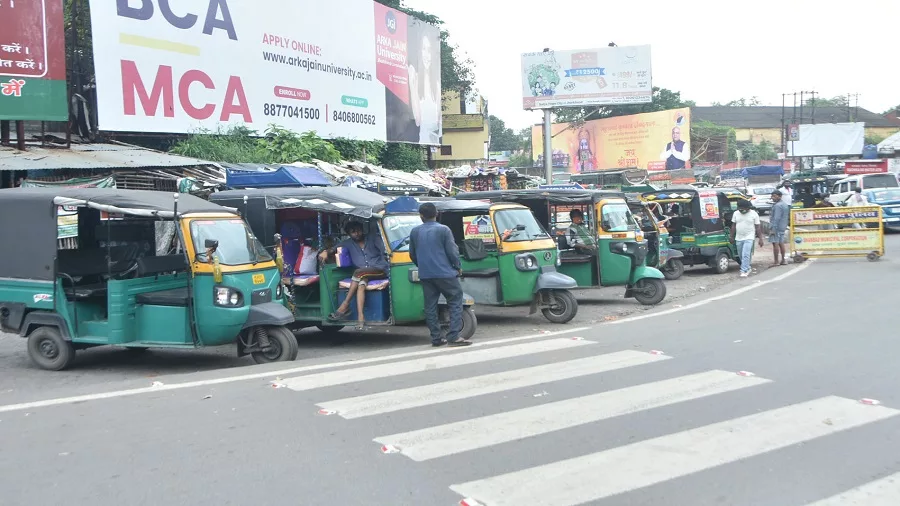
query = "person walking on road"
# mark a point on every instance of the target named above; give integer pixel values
(778, 223)
(745, 226)
(433, 250)
(857, 200)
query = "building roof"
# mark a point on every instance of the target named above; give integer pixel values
(770, 116)
(93, 156)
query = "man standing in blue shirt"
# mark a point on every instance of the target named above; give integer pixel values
(778, 223)
(433, 250)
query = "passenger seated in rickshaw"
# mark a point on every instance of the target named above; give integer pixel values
(368, 255)
(579, 235)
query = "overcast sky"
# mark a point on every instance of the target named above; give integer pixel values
(709, 50)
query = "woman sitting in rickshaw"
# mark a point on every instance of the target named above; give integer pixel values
(367, 254)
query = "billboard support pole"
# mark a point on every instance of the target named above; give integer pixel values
(548, 147)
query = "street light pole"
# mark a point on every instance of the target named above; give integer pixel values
(548, 147)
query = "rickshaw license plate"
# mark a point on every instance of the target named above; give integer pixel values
(259, 279)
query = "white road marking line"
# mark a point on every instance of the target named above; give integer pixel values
(704, 302)
(269, 374)
(395, 400)
(476, 433)
(575, 481)
(883, 492)
(359, 374)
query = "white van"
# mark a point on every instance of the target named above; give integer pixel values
(842, 190)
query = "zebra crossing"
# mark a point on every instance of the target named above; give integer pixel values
(573, 481)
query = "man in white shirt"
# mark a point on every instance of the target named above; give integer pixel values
(787, 193)
(857, 200)
(745, 226)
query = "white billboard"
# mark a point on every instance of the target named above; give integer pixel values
(612, 75)
(352, 68)
(829, 139)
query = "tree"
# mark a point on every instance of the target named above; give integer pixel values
(741, 102)
(663, 99)
(239, 144)
(712, 143)
(894, 110)
(503, 138)
(405, 157)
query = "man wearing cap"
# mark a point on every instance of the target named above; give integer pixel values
(778, 222)
(745, 226)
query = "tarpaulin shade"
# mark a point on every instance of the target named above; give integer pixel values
(285, 176)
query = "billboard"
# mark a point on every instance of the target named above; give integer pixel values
(655, 141)
(612, 75)
(352, 69)
(32, 61)
(828, 139)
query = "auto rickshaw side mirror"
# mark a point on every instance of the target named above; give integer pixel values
(210, 244)
(520, 228)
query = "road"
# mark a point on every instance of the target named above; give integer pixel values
(100, 366)
(747, 395)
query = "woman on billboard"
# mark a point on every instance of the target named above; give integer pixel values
(424, 82)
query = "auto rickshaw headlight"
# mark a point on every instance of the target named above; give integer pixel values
(624, 247)
(526, 262)
(279, 291)
(227, 297)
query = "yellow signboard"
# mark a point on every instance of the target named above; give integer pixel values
(865, 239)
(837, 232)
(462, 121)
(836, 215)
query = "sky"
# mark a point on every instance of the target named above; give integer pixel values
(709, 50)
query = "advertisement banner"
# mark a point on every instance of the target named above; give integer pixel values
(654, 141)
(863, 239)
(709, 204)
(612, 75)
(828, 139)
(32, 61)
(854, 167)
(836, 216)
(353, 68)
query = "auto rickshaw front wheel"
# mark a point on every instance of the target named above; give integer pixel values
(563, 307)
(649, 291)
(673, 269)
(283, 345)
(49, 349)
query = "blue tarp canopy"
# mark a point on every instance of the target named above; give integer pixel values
(282, 177)
(762, 170)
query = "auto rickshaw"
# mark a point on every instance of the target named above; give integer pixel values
(508, 258)
(136, 269)
(660, 254)
(298, 223)
(808, 190)
(619, 258)
(699, 223)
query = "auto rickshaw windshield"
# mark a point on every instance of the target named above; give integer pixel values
(237, 245)
(522, 224)
(397, 229)
(617, 218)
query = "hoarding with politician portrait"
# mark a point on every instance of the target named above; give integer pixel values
(32, 61)
(612, 75)
(655, 141)
(352, 68)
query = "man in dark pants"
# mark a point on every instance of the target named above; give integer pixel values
(433, 250)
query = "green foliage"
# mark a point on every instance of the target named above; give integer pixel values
(709, 142)
(874, 139)
(238, 144)
(367, 151)
(663, 99)
(503, 138)
(521, 160)
(756, 153)
(405, 157)
(741, 102)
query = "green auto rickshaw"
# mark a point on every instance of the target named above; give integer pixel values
(298, 223)
(621, 250)
(508, 258)
(699, 223)
(660, 253)
(85, 267)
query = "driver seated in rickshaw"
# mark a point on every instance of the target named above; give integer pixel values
(368, 256)
(579, 235)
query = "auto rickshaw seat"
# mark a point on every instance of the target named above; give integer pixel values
(563, 242)
(176, 297)
(474, 250)
(90, 265)
(156, 265)
(572, 257)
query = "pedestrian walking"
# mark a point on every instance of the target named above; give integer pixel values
(857, 200)
(433, 250)
(745, 226)
(778, 223)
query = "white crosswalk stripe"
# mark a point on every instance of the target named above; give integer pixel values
(395, 400)
(573, 481)
(883, 492)
(486, 431)
(368, 373)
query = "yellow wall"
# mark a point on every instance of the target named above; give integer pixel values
(773, 135)
(467, 145)
(883, 132)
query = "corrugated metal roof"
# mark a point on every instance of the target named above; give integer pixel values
(93, 156)
(770, 116)
(890, 145)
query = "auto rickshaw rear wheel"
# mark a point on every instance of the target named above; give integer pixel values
(49, 350)
(469, 323)
(330, 329)
(720, 263)
(283, 345)
(563, 307)
(649, 291)
(673, 269)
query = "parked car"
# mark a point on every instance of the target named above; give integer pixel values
(846, 187)
(889, 200)
(761, 198)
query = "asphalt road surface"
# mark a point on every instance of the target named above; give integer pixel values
(778, 390)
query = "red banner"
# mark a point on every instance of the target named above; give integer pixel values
(31, 39)
(865, 167)
(391, 56)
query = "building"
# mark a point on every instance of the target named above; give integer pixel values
(758, 123)
(466, 131)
